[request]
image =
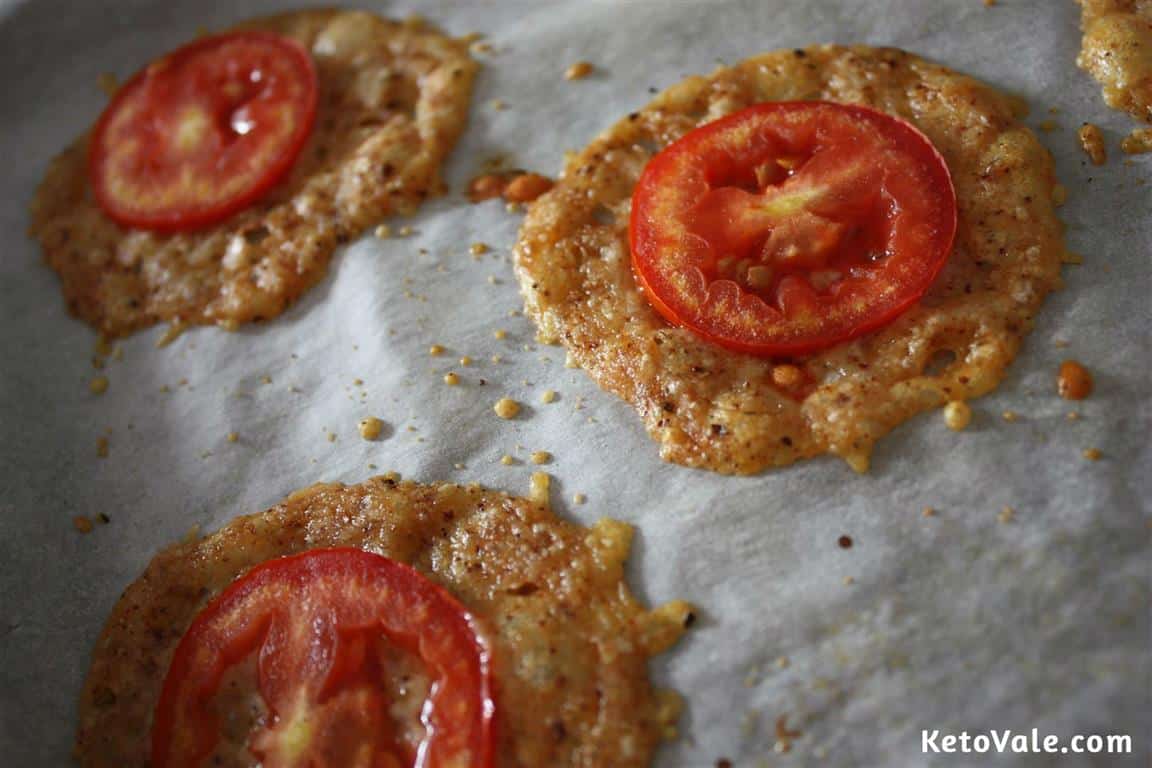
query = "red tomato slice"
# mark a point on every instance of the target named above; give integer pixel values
(310, 620)
(788, 227)
(203, 132)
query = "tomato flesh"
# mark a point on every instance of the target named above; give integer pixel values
(203, 132)
(789, 227)
(311, 620)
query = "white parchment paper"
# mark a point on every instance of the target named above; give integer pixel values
(955, 622)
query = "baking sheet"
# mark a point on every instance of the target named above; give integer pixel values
(956, 622)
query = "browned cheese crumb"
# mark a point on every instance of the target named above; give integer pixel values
(1092, 142)
(578, 71)
(371, 428)
(506, 408)
(527, 187)
(393, 99)
(1137, 142)
(713, 408)
(1073, 381)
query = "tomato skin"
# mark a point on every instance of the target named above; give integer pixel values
(692, 205)
(308, 617)
(287, 105)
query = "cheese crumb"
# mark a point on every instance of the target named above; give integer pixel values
(233, 437)
(578, 71)
(787, 376)
(500, 333)
(1010, 416)
(579, 498)
(370, 428)
(506, 408)
(465, 361)
(1137, 142)
(538, 487)
(541, 457)
(478, 248)
(957, 415)
(548, 396)
(435, 350)
(507, 460)
(383, 231)
(451, 379)
(1092, 142)
(1006, 514)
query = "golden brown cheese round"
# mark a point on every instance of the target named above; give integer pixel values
(393, 99)
(1117, 51)
(570, 642)
(709, 407)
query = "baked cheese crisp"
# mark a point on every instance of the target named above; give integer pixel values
(731, 412)
(570, 643)
(393, 100)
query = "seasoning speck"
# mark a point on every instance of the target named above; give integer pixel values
(845, 542)
(82, 523)
(98, 385)
(579, 498)
(370, 428)
(477, 249)
(102, 447)
(1006, 514)
(500, 333)
(1010, 416)
(233, 437)
(1092, 454)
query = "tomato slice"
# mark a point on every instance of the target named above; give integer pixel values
(203, 132)
(311, 620)
(788, 227)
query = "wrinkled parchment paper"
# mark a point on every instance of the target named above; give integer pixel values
(953, 622)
